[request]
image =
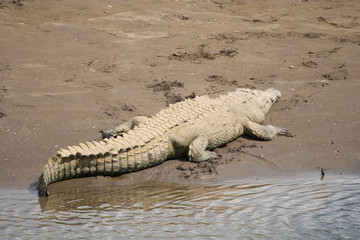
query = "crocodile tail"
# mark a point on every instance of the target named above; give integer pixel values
(42, 187)
(75, 161)
(111, 157)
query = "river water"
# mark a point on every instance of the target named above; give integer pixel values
(282, 209)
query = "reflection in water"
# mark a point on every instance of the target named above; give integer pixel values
(328, 209)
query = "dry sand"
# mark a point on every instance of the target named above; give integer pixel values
(71, 68)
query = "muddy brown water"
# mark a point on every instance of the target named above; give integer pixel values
(267, 209)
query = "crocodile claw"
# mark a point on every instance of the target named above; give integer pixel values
(283, 132)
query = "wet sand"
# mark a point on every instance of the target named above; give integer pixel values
(71, 68)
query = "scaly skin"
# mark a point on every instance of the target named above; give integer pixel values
(192, 127)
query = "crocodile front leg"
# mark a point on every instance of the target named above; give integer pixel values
(124, 127)
(262, 132)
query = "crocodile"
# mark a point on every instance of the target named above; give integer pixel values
(193, 127)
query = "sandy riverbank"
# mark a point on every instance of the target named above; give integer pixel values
(71, 68)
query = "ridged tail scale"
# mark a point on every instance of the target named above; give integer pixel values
(111, 157)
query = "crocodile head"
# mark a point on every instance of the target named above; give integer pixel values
(262, 100)
(268, 98)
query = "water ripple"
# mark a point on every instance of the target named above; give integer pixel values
(292, 209)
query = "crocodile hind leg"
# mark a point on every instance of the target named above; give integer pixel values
(219, 135)
(124, 127)
(197, 150)
(262, 132)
